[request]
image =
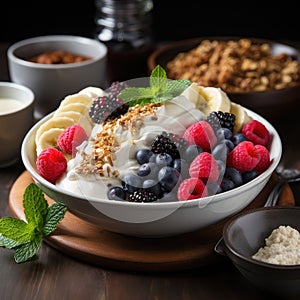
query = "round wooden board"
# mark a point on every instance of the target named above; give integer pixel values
(87, 242)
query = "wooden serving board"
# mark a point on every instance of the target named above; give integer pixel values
(89, 243)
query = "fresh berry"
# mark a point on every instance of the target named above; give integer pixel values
(142, 195)
(148, 169)
(71, 138)
(234, 175)
(244, 157)
(264, 161)
(256, 132)
(238, 138)
(191, 152)
(153, 186)
(116, 193)
(191, 188)
(131, 182)
(168, 143)
(201, 134)
(223, 133)
(249, 175)
(163, 159)
(110, 106)
(205, 167)
(51, 164)
(168, 178)
(220, 151)
(219, 119)
(143, 155)
(227, 185)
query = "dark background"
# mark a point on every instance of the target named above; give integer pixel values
(23, 19)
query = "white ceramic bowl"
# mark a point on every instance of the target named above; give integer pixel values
(155, 219)
(16, 118)
(52, 82)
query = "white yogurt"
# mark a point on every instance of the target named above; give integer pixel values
(8, 105)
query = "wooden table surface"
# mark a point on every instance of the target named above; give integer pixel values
(57, 276)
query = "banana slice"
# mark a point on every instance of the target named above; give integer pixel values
(58, 122)
(241, 116)
(93, 92)
(78, 118)
(76, 98)
(213, 99)
(78, 107)
(48, 139)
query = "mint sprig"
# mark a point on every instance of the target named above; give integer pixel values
(161, 89)
(25, 238)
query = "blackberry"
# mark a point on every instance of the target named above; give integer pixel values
(142, 195)
(219, 119)
(109, 107)
(169, 143)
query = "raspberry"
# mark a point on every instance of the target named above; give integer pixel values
(256, 132)
(205, 167)
(191, 188)
(201, 134)
(51, 164)
(71, 138)
(264, 161)
(244, 157)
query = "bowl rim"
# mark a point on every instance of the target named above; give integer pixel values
(186, 42)
(172, 204)
(102, 53)
(250, 260)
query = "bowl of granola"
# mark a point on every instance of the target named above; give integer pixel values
(152, 166)
(260, 74)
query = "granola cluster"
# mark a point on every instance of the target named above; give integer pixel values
(105, 144)
(235, 66)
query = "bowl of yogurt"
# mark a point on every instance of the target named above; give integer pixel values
(112, 157)
(16, 118)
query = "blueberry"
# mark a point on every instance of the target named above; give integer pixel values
(249, 175)
(147, 169)
(227, 185)
(153, 186)
(191, 152)
(168, 178)
(131, 182)
(229, 144)
(143, 155)
(182, 167)
(220, 151)
(163, 159)
(224, 133)
(234, 175)
(116, 193)
(238, 138)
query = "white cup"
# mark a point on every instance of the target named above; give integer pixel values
(16, 118)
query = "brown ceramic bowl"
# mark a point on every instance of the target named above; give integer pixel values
(271, 104)
(245, 233)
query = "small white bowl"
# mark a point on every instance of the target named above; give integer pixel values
(155, 219)
(52, 82)
(16, 118)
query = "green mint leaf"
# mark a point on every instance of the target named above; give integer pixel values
(161, 89)
(158, 81)
(56, 213)
(27, 251)
(134, 96)
(176, 87)
(35, 206)
(16, 229)
(8, 243)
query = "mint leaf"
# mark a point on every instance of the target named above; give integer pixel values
(8, 243)
(16, 229)
(29, 250)
(26, 238)
(161, 89)
(55, 214)
(35, 206)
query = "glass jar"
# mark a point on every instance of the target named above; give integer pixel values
(125, 27)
